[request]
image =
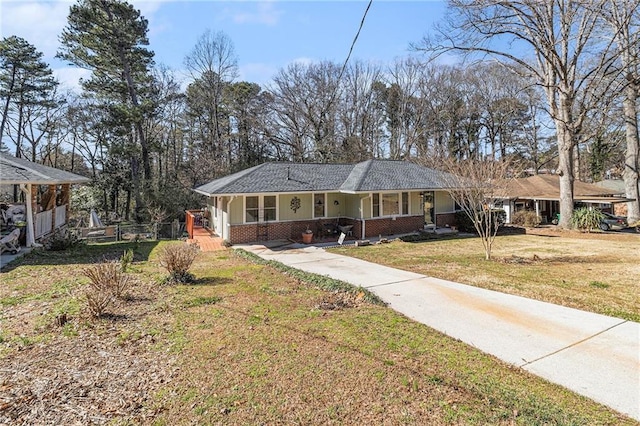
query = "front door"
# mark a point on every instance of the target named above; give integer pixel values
(429, 207)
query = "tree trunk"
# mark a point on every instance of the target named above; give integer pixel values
(5, 111)
(631, 164)
(565, 171)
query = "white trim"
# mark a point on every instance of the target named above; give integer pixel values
(261, 207)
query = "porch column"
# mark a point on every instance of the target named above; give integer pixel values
(66, 199)
(30, 196)
(537, 204)
(51, 205)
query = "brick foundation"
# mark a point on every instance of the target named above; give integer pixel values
(388, 226)
(324, 228)
(446, 219)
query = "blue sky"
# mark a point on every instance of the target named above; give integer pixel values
(268, 35)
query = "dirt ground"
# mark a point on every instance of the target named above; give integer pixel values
(60, 369)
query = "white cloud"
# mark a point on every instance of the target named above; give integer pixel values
(69, 78)
(40, 23)
(303, 60)
(257, 73)
(265, 13)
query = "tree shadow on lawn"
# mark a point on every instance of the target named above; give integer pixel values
(85, 254)
(211, 280)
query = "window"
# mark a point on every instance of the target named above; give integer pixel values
(319, 202)
(405, 203)
(390, 205)
(375, 201)
(260, 208)
(269, 207)
(251, 209)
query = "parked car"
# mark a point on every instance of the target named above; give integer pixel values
(611, 222)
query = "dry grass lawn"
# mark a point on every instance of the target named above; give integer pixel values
(595, 272)
(244, 345)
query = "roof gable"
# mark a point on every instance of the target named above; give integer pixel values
(15, 170)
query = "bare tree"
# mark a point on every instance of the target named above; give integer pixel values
(478, 186)
(213, 65)
(623, 17)
(560, 35)
(360, 118)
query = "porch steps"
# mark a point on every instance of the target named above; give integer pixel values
(207, 241)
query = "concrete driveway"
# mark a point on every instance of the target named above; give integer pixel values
(593, 355)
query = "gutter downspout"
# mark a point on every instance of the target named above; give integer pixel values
(362, 215)
(228, 225)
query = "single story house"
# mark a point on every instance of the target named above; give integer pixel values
(541, 193)
(618, 188)
(44, 211)
(281, 200)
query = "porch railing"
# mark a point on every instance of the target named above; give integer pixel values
(61, 216)
(43, 223)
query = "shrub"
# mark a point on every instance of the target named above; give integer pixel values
(107, 280)
(177, 259)
(586, 219)
(61, 239)
(98, 301)
(465, 224)
(526, 218)
(126, 260)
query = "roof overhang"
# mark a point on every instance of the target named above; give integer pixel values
(603, 200)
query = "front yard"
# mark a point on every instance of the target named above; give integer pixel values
(248, 344)
(594, 272)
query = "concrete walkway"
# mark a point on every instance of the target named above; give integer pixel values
(593, 355)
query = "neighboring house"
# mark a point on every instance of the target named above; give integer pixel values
(617, 186)
(541, 193)
(281, 200)
(44, 211)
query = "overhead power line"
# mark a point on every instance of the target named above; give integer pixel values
(353, 43)
(346, 61)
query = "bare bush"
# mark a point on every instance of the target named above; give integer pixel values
(107, 280)
(177, 259)
(97, 301)
(526, 218)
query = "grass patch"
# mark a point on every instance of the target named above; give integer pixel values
(202, 301)
(320, 281)
(260, 351)
(568, 271)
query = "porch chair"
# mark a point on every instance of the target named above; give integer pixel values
(10, 242)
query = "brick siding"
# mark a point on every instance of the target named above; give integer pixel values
(322, 228)
(388, 226)
(446, 219)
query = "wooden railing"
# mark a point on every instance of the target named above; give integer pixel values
(61, 216)
(193, 218)
(43, 223)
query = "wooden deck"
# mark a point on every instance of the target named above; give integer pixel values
(206, 241)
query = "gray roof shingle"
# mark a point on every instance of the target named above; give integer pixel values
(389, 175)
(19, 170)
(371, 175)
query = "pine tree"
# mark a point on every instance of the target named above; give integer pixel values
(108, 38)
(25, 81)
